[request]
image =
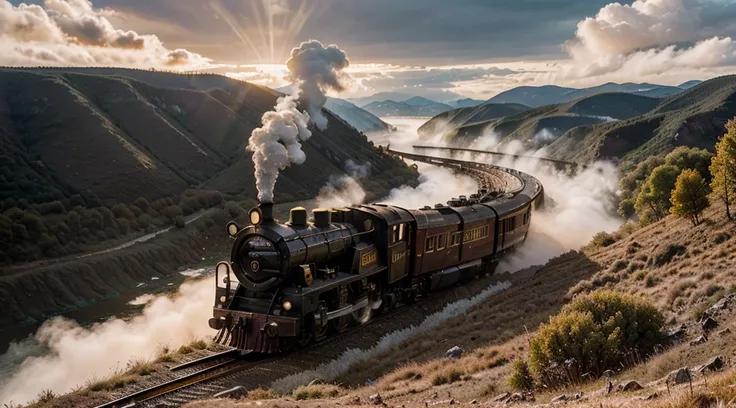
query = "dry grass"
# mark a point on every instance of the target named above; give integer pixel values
(496, 321)
(316, 391)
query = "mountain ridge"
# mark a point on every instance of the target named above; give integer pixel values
(535, 96)
(64, 128)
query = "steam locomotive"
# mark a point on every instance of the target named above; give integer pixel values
(299, 281)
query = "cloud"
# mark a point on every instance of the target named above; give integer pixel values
(74, 33)
(622, 29)
(648, 38)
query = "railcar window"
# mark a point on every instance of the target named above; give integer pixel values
(401, 232)
(394, 234)
(429, 247)
(455, 239)
(526, 218)
(441, 241)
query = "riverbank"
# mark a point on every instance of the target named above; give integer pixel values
(30, 296)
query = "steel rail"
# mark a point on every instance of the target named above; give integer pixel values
(490, 152)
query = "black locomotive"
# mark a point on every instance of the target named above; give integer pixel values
(301, 280)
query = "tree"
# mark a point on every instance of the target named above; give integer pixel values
(690, 196)
(626, 208)
(723, 168)
(654, 197)
(691, 158)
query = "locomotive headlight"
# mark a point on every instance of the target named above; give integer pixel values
(223, 299)
(286, 306)
(232, 229)
(255, 216)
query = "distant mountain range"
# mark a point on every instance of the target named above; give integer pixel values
(535, 96)
(386, 104)
(358, 118)
(414, 106)
(619, 126)
(433, 95)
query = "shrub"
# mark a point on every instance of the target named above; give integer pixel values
(593, 334)
(234, 209)
(261, 394)
(446, 377)
(665, 256)
(602, 240)
(626, 208)
(180, 223)
(316, 391)
(521, 377)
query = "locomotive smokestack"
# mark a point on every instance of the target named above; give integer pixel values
(267, 211)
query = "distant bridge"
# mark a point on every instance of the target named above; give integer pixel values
(568, 167)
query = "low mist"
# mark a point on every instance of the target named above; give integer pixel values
(65, 355)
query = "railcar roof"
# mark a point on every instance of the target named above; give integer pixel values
(390, 213)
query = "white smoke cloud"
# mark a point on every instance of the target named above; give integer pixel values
(74, 33)
(437, 185)
(345, 190)
(358, 171)
(316, 69)
(66, 355)
(277, 144)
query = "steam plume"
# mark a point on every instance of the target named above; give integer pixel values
(277, 144)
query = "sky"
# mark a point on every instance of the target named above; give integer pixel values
(444, 49)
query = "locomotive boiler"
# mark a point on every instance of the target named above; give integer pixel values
(289, 284)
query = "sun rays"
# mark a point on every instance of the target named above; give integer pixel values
(267, 28)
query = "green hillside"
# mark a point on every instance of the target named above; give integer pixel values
(695, 117)
(538, 127)
(447, 122)
(90, 155)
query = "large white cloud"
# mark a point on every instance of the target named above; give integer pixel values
(648, 37)
(74, 33)
(620, 29)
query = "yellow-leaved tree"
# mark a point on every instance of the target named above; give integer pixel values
(690, 196)
(723, 168)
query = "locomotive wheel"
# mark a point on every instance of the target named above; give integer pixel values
(302, 339)
(375, 298)
(363, 315)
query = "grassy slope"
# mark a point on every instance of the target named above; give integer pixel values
(126, 133)
(558, 119)
(449, 121)
(695, 117)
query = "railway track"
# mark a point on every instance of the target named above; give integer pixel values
(202, 378)
(558, 164)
